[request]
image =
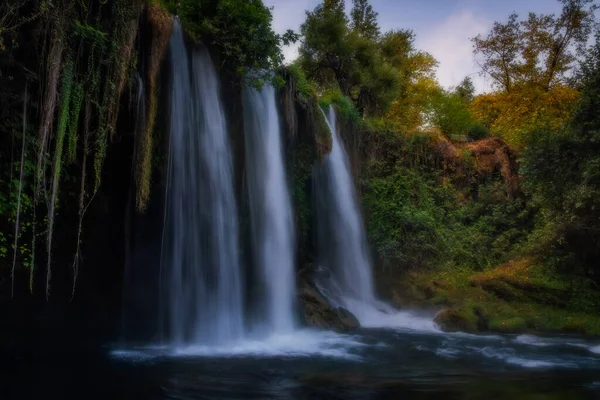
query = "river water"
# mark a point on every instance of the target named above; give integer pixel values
(307, 364)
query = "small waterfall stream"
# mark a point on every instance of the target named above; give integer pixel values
(342, 243)
(345, 275)
(202, 290)
(270, 210)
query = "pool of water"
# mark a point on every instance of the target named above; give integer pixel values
(308, 364)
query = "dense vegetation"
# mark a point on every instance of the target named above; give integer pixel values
(487, 204)
(492, 197)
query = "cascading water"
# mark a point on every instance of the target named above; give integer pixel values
(270, 210)
(342, 243)
(201, 275)
(346, 276)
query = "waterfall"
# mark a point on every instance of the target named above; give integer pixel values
(345, 273)
(270, 211)
(200, 268)
(342, 243)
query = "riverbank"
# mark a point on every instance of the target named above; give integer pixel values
(521, 296)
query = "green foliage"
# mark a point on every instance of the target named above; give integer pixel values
(538, 51)
(404, 211)
(343, 106)
(478, 131)
(364, 19)
(348, 57)
(450, 114)
(66, 88)
(241, 32)
(72, 134)
(466, 90)
(562, 175)
(305, 90)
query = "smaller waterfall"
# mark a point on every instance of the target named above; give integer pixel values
(270, 210)
(342, 243)
(345, 275)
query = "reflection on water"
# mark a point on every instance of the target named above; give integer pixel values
(369, 364)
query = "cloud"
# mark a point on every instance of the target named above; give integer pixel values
(449, 43)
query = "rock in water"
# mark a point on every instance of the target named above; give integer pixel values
(347, 318)
(318, 312)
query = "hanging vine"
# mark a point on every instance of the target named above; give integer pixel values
(85, 57)
(63, 119)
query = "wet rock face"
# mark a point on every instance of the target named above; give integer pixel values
(318, 313)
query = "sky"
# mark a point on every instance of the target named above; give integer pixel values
(442, 27)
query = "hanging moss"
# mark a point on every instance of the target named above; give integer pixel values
(143, 171)
(161, 24)
(63, 119)
(53, 67)
(76, 101)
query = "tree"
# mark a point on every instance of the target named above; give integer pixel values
(364, 19)
(562, 176)
(450, 114)
(418, 84)
(513, 116)
(465, 90)
(338, 57)
(240, 30)
(537, 51)
(499, 52)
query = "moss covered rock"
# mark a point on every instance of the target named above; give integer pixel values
(457, 320)
(508, 324)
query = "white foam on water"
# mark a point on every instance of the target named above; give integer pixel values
(450, 353)
(546, 342)
(523, 362)
(532, 340)
(302, 343)
(381, 315)
(507, 355)
(134, 355)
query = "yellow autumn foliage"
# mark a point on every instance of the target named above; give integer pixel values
(408, 111)
(514, 115)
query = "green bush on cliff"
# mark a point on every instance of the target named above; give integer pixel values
(241, 32)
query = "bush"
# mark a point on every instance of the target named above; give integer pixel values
(478, 131)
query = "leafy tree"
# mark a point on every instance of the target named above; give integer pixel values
(240, 30)
(499, 52)
(339, 55)
(562, 171)
(417, 81)
(450, 114)
(466, 90)
(364, 19)
(537, 51)
(513, 116)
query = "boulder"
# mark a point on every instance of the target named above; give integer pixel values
(459, 320)
(318, 312)
(347, 318)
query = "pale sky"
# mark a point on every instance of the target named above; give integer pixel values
(442, 27)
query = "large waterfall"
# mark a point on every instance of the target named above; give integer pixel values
(201, 274)
(270, 211)
(342, 244)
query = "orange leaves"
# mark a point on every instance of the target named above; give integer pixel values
(515, 115)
